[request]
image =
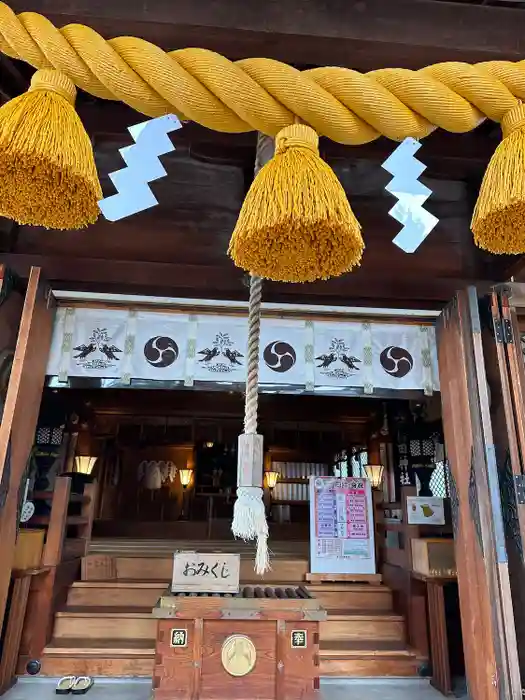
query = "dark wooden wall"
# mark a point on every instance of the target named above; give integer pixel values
(179, 248)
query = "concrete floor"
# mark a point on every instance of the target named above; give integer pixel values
(104, 689)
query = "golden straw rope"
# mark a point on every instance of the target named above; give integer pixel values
(265, 95)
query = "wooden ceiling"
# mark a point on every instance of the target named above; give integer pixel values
(179, 248)
(162, 417)
(364, 34)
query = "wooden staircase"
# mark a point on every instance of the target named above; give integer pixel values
(106, 627)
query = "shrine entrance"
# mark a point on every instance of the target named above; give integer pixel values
(481, 382)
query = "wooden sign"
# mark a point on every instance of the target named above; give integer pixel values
(194, 572)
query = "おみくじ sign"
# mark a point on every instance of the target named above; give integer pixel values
(195, 572)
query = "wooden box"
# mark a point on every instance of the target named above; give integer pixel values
(28, 549)
(434, 557)
(262, 644)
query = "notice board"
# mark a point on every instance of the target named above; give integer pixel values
(341, 526)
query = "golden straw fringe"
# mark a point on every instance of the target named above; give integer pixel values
(47, 168)
(296, 224)
(498, 222)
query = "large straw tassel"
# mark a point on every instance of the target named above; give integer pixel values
(47, 168)
(296, 224)
(498, 222)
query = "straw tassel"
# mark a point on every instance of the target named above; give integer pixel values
(296, 224)
(47, 168)
(498, 222)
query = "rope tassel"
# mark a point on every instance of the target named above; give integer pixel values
(296, 224)
(47, 168)
(498, 222)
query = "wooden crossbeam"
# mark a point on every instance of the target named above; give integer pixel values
(407, 33)
(212, 281)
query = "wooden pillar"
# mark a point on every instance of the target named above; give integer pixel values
(13, 632)
(441, 678)
(22, 405)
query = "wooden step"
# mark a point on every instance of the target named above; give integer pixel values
(122, 593)
(144, 547)
(97, 657)
(362, 659)
(116, 593)
(355, 596)
(135, 657)
(362, 625)
(133, 592)
(159, 567)
(105, 623)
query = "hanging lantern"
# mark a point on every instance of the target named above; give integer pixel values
(271, 478)
(84, 465)
(185, 477)
(374, 468)
(374, 474)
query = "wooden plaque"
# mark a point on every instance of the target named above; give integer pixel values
(194, 572)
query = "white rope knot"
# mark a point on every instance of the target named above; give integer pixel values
(249, 523)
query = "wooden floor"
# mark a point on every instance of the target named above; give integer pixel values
(106, 627)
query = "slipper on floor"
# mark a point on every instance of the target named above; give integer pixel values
(82, 685)
(65, 685)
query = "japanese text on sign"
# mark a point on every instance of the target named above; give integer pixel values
(298, 639)
(341, 525)
(179, 638)
(205, 572)
(218, 570)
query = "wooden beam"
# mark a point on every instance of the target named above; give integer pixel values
(459, 156)
(20, 415)
(364, 35)
(381, 287)
(508, 267)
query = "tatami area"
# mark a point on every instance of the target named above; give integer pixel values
(106, 689)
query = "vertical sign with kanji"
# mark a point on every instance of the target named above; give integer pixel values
(299, 639)
(179, 638)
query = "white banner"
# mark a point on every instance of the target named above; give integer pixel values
(282, 352)
(160, 346)
(127, 344)
(338, 354)
(89, 343)
(221, 349)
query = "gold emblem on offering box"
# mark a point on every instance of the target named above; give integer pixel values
(238, 655)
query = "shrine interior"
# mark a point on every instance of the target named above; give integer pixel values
(166, 462)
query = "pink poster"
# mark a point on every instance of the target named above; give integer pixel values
(342, 528)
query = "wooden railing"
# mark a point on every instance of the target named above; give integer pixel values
(59, 546)
(39, 592)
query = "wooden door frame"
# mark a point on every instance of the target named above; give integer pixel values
(506, 375)
(483, 575)
(21, 409)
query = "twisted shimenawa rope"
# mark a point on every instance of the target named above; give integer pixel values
(266, 95)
